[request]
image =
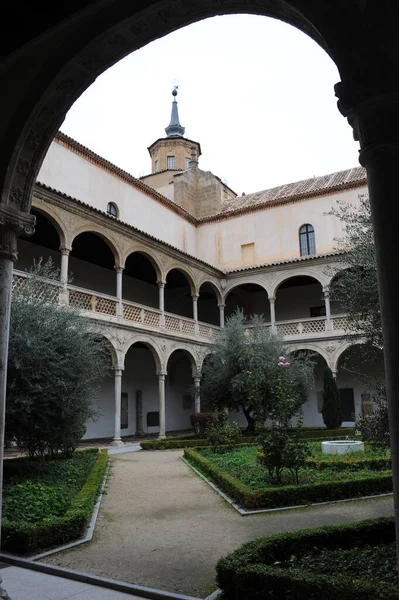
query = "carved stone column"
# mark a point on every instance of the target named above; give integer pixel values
(162, 412)
(65, 250)
(328, 309)
(12, 224)
(272, 302)
(375, 124)
(117, 440)
(197, 384)
(195, 313)
(119, 306)
(161, 291)
(221, 314)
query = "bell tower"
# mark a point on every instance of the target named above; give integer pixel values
(174, 152)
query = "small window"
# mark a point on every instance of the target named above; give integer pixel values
(156, 166)
(187, 162)
(124, 411)
(171, 162)
(112, 210)
(307, 241)
(248, 254)
(153, 419)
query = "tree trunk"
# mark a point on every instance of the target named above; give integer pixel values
(250, 420)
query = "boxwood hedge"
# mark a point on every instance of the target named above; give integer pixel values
(289, 495)
(253, 572)
(23, 538)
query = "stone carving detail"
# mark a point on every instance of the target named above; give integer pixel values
(22, 167)
(163, 346)
(33, 139)
(330, 348)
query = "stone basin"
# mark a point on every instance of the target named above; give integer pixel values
(341, 446)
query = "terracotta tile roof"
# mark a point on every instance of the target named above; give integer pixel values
(292, 192)
(288, 261)
(160, 171)
(71, 144)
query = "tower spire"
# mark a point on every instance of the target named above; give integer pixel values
(174, 129)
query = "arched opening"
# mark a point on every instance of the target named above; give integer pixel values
(300, 297)
(139, 282)
(249, 297)
(178, 292)
(311, 409)
(91, 263)
(208, 309)
(43, 244)
(140, 399)
(358, 373)
(103, 425)
(179, 391)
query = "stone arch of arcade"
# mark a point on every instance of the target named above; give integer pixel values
(301, 297)
(209, 304)
(252, 298)
(180, 295)
(141, 277)
(44, 244)
(180, 399)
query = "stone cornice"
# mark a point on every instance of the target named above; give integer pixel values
(293, 263)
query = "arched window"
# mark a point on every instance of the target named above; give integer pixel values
(112, 210)
(307, 241)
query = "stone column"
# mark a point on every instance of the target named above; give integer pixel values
(197, 384)
(161, 292)
(162, 413)
(12, 224)
(328, 309)
(65, 250)
(376, 126)
(272, 301)
(117, 441)
(195, 314)
(221, 314)
(119, 306)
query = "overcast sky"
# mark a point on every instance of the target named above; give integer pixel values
(256, 93)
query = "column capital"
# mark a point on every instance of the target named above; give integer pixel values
(161, 284)
(65, 250)
(162, 374)
(373, 117)
(197, 379)
(118, 268)
(13, 223)
(272, 299)
(118, 370)
(221, 305)
(326, 292)
(194, 297)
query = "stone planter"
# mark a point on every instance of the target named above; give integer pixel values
(341, 447)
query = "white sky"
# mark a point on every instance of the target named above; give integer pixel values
(256, 93)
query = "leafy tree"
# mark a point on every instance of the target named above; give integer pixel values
(373, 426)
(331, 410)
(242, 373)
(55, 360)
(356, 286)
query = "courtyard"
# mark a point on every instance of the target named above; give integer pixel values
(161, 526)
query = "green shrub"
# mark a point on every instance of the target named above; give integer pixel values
(25, 536)
(221, 435)
(283, 449)
(258, 570)
(200, 421)
(289, 495)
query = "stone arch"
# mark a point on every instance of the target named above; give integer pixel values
(47, 211)
(92, 228)
(149, 254)
(319, 276)
(313, 348)
(231, 285)
(342, 348)
(214, 287)
(152, 346)
(186, 272)
(188, 349)
(116, 35)
(112, 350)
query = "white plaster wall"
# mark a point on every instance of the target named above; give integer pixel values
(273, 231)
(103, 426)
(72, 174)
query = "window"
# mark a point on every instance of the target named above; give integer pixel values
(248, 254)
(153, 419)
(187, 162)
(156, 167)
(112, 210)
(124, 411)
(171, 162)
(307, 242)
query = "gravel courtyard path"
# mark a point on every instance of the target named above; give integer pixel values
(161, 526)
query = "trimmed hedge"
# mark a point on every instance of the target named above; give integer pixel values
(289, 495)
(24, 538)
(251, 572)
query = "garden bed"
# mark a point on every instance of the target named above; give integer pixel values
(356, 561)
(49, 502)
(240, 475)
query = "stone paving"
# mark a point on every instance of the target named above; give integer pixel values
(161, 526)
